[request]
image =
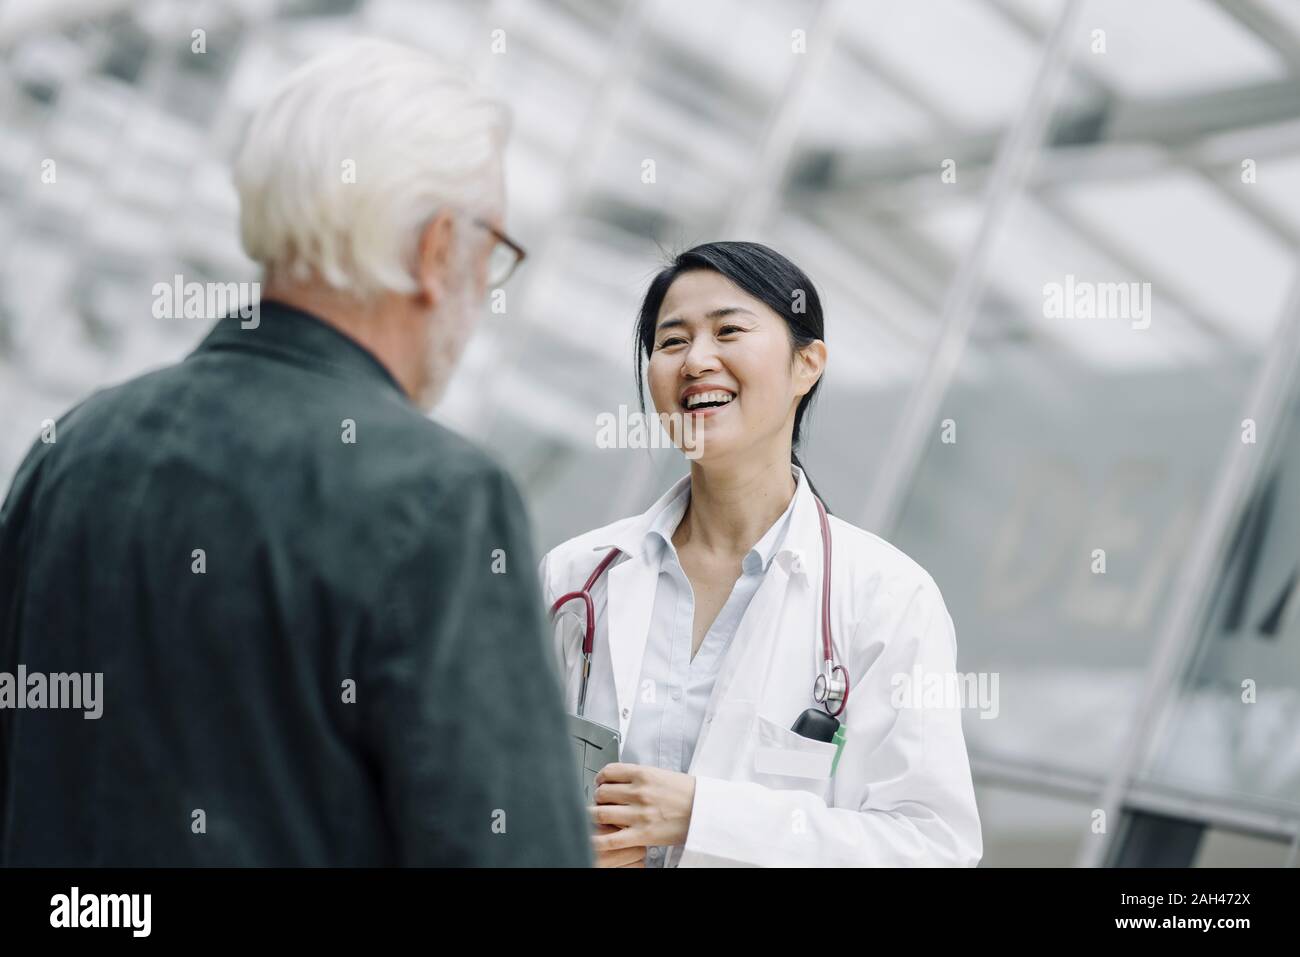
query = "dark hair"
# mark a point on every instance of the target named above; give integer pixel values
(762, 273)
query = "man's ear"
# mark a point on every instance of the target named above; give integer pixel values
(432, 256)
(810, 363)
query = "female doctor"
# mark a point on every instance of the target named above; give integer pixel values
(708, 640)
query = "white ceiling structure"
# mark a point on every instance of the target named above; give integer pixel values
(1140, 180)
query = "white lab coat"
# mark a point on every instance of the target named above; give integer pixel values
(902, 793)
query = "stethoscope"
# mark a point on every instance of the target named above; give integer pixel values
(830, 689)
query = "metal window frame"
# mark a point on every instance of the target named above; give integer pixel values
(1007, 176)
(1253, 817)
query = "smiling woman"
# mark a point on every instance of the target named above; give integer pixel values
(753, 289)
(720, 632)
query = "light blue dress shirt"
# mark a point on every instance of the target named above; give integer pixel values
(673, 690)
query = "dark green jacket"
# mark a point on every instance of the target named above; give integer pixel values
(310, 655)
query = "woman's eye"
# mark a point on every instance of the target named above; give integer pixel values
(671, 342)
(725, 330)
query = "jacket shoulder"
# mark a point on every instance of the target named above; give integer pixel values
(423, 465)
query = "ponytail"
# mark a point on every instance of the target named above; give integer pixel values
(794, 460)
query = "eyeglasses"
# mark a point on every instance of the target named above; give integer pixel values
(505, 257)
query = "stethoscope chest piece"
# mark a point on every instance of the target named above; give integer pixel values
(830, 688)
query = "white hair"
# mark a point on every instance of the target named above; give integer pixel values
(356, 151)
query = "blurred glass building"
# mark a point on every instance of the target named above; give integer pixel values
(937, 167)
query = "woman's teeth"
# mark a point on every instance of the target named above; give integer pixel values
(708, 399)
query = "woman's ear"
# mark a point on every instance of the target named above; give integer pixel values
(810, 363)
(433, 256)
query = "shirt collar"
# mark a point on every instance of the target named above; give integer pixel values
(799, 552)
(301, 338)
(658, 536)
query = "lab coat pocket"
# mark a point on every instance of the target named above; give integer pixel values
(780, 752)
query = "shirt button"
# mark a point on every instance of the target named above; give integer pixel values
(626, 712)
(677, 694)
(796, 563)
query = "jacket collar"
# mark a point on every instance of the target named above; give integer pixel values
(302, 339)
(799, 550)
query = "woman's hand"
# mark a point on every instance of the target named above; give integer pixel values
(647, 806)
(620, 856)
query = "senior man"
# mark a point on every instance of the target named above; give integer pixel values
(313, 609)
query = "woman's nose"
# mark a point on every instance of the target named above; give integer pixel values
(700, 357)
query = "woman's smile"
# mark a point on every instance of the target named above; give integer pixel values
(702, 401)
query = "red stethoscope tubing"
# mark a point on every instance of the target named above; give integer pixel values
(589, 634)
(589, 626)
(828, 645)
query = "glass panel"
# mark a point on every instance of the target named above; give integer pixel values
(1134, 285)
(1029, 830)
(1054, 461)
(1231, 731)
(1220, 848)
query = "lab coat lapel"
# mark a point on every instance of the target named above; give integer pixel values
(745, 667)
(631, 601)
(745, 672)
